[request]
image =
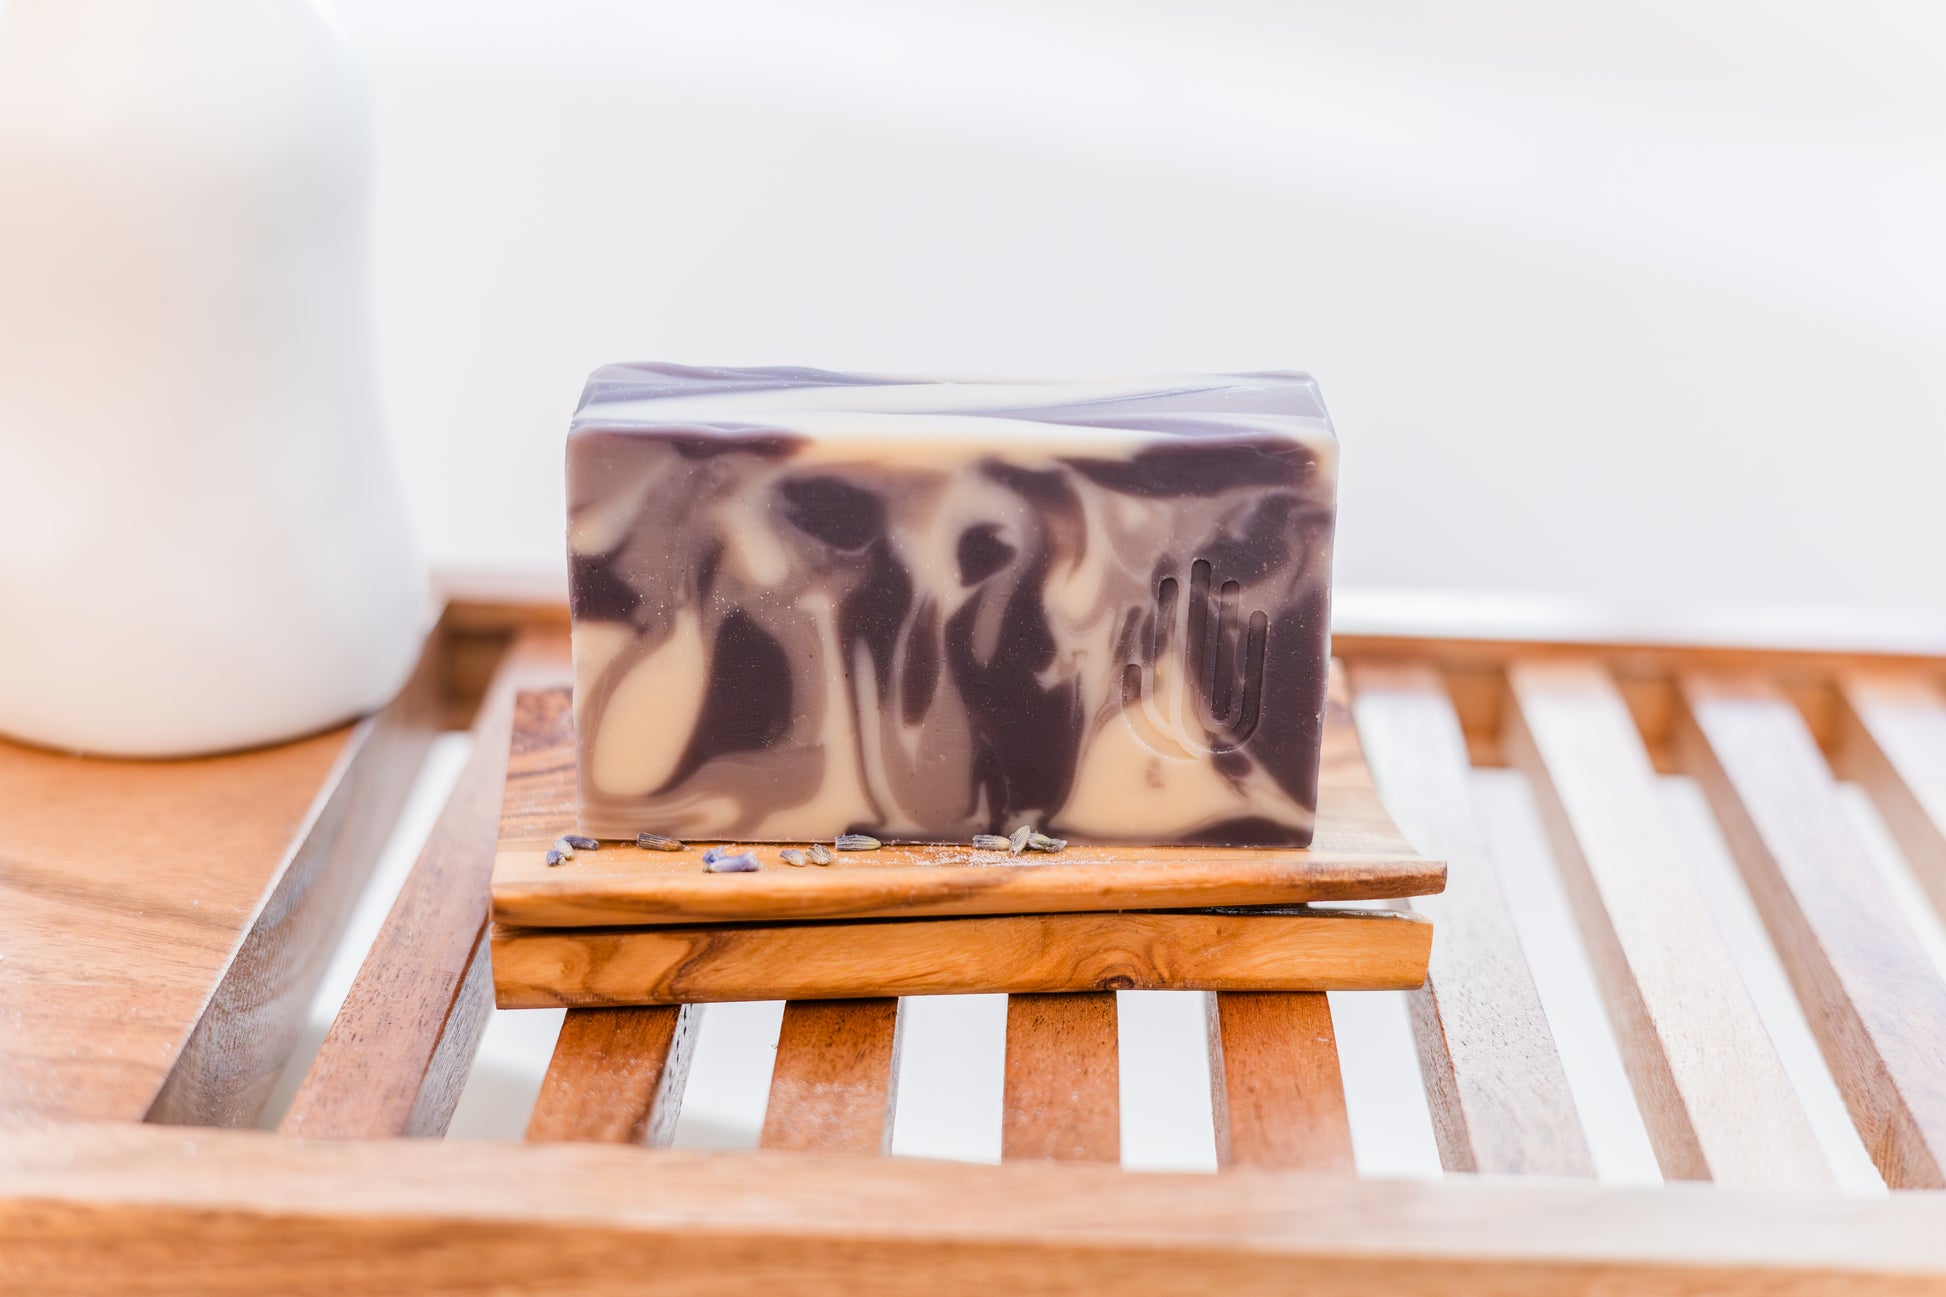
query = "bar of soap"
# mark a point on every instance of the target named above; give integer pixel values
(809, 603)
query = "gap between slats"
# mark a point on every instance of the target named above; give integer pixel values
(1714, 1096)
(1894, 744)
(1499, 1097)
(250, 1029)
(396, 1056)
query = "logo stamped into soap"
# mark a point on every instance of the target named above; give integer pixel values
(1199, 686)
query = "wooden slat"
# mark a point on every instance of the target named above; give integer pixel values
(163, 923)
(397, 1053)
(253, 1020)
(1713, 1094)
(1499, 1097)
(617, 1076)
(226, 1213)
(835, 1084)
(1062, 1100)
(1894, 743)
(444, 1075)
(1276, 1094)
(1198, 950)
(1872, 996)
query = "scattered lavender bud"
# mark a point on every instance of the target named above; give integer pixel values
(713, 854)
(565, 846)
(555, 857)
(1018, 842)
(1041, 842)
(858, 842)
(656, 842)
(740, 863)
(792, 856)
(820, 854)
(991, 842)
(580, 843)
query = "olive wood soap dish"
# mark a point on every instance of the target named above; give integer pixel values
(621, 925)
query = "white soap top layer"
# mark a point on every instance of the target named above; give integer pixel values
(828, 407)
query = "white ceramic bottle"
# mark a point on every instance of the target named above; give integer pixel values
(203, 540)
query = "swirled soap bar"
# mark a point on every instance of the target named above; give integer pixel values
(809, 603)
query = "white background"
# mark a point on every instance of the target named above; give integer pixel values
(1643, 302)
(1635, 302)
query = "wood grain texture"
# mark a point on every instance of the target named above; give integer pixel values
(1713, 1095)
(1062, 1098)
(398, 1051)
(1276, 1094)
(240, 1045)
(1894, 743)
(200, 897)
(834, 1088)
(1358, 855)
(1295, 950)
(617, 1076)
(441, 1081)
(135, 1209)
(1498, 1095)
(1872, 996)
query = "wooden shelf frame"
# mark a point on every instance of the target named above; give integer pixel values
(153, 978)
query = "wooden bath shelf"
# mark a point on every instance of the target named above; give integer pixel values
(162, 929)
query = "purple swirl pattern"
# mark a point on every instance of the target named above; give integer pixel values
(809, 603)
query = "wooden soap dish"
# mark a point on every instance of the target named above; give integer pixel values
(1358, 855)
(621, 925)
